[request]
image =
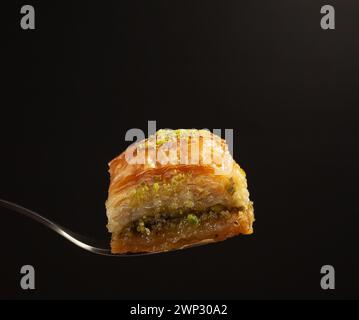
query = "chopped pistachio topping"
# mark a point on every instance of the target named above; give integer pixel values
(178, 178)
(192, 219)
(217, 208)
(141, 228)
(156, 187)
(165, 135)
(148, 190)
(141, 192)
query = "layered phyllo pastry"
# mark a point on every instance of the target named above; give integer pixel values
(178, 188)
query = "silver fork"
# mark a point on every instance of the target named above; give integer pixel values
(78, 240)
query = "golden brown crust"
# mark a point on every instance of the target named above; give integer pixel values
(210, 148)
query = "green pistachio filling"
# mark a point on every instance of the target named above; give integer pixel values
(192, 219)
(176, 214)
(174, 223)
(142, 229)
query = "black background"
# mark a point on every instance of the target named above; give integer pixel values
(93, 70)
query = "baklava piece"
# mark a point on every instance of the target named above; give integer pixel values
(184, 190)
